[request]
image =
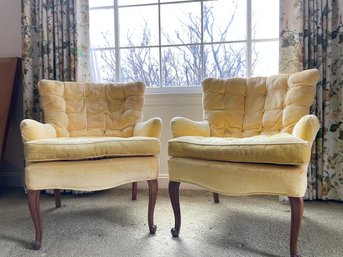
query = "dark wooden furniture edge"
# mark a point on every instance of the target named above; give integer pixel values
(34, 207)
(297, 210)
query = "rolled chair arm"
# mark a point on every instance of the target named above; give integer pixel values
(149, 128)
(307, 128)
(32, 130)
(185, 127)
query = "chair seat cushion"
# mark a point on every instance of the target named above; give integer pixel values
(280, 148)
(80, 148)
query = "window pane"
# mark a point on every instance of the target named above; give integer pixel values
(140, 64)
(140, 31)
(225, 60)
(99, 3)
(105, 65)
(102, 28)
(181, 66)
(224, 40)
(181, 23)
(265, 59)
(265, 22)
(224, 20)
(134, 2)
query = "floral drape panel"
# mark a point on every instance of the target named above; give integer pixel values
(312, 37)
(55, 35)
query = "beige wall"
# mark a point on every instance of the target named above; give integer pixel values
(10, 30)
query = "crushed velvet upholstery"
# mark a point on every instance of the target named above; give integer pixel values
(239, 107)
(92, 109)
(83, 148)
(255, 139)
(93, 138)
(254, 120)
(280, 148)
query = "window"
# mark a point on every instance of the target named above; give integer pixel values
(177, 43)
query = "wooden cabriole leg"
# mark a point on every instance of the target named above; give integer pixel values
(174, 198)
(57, 194)
(297, 210)
(216, 197)
(34, 206)
(153, 186)
(134, 191)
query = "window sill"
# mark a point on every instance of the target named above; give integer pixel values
(173, 90)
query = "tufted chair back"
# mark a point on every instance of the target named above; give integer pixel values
(92, 109)
(239, 107)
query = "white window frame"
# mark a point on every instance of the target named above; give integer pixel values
(177, 89)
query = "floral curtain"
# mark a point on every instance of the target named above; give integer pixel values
(312, 37)
(55, 35)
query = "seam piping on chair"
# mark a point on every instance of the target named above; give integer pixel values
(147, 139)
(242, 145)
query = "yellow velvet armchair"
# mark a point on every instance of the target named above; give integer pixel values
(255, 139)
(93, 138)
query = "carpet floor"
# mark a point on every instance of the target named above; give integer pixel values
(108, 223)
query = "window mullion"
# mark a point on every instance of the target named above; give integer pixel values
(116, 40)
(160, 42)
(249, 39)
(202, 41)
